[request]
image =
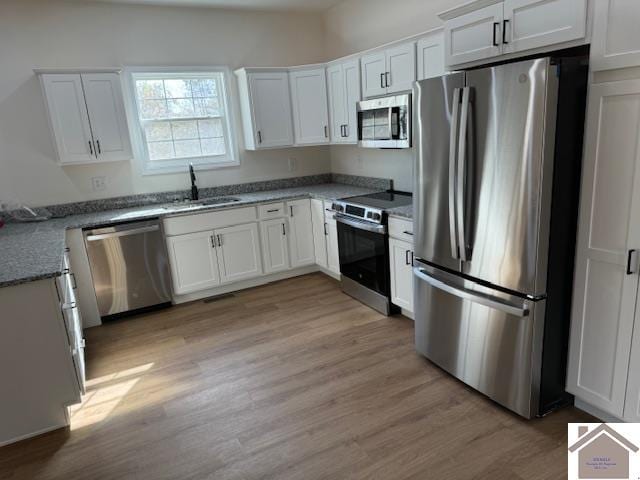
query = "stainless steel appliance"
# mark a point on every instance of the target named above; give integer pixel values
(495, 206)
(363, 246)
(385, 122)
(129, 267)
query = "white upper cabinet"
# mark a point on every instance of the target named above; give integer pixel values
(430, 53)
(238, 252)
(275, 251)
(474, 36)
(343, 80)
(632, 402)
(107, 117)
(86, 114)
(606, 271)
(477, 31)
(536, 23)
(615, 41)
(193, 261)
(300, 233)
(389, 71)
(309, 100)
(266, 108)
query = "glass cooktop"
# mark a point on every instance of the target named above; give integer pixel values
(382, 200)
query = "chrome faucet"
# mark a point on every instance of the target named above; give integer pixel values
(194, 188)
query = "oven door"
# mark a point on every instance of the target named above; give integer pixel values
(364, 253)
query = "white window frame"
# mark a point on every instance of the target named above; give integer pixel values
(159, 167)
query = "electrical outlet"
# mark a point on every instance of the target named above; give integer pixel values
(292, 164)
(98, 184)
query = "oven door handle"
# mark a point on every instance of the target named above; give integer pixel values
(361, 225)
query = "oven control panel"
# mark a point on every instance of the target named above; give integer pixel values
(362, 212)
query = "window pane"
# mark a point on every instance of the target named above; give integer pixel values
(207, 107)
(181, 107)
(152, 109)
(188, 148)
(185, 130)
(148, 89)
(160, 150)
(178, 88)
(210, 128)
(158, 131)
(204, 87)
(213, 146)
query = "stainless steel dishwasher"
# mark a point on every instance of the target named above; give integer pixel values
(129, 267)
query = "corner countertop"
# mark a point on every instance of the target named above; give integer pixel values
(405, 212)
(35, 251)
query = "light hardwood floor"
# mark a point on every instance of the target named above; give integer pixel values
(292, 380)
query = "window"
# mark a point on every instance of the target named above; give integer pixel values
(183, 118)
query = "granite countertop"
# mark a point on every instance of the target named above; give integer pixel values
(401, 212)
(34, 251)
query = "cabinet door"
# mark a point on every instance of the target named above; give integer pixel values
(473, 36)
(632, 402)
(333, 259)
(68, 118)
(604, 293)
(337, 111)
(431, 56)
(193, 260)
(373, 68)
(105, 105)
(401, 67)
(615, 42)
(319, 232)
(271, 105)
(401, 268)
(275, 251)
(351, 71)
(310, 115)
(238, 252)
(301, 233)
(538, 23)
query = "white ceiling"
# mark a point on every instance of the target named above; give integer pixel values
(300, 5)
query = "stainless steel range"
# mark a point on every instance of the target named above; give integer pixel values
(364, 248)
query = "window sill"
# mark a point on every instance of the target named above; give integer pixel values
(172, 169)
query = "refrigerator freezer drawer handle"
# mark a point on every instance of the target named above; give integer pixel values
(453, 138)
(487, 301)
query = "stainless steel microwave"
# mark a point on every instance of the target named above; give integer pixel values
(385, 122)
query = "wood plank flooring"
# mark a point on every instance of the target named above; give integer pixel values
(292, 380)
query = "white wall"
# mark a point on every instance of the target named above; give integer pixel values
(58, 33)
(356, 25)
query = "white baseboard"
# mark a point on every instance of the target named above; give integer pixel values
(596, 412)
(32, 434)
(330, 273)
(407, 313)
(254, 282)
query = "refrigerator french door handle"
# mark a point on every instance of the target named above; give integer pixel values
(462, 160)
(465, 294)
(453, 137)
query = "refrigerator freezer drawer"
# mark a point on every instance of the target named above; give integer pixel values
(490, 340)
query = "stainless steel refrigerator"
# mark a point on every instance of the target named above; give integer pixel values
(495, 206)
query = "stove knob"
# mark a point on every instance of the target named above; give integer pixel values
(369, 214)
(377, 217)
(338, 208)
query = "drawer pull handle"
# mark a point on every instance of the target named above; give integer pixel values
(273, 210)
(408, 233)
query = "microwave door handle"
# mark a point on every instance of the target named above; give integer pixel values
(460, 184)
(453, 136)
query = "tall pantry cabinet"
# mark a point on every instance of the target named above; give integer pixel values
(604, 353)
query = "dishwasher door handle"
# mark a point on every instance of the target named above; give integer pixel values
(123, 233)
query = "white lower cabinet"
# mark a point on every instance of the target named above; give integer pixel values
(604, 367)
(275, 251)
(238, 252)
(333, 258)
(300, 233)
(401, 259)
(194, 262)
(319, 228)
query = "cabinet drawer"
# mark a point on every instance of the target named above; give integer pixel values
(208, 221)
(329, 212)
(272, 210)
(401, 229)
